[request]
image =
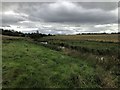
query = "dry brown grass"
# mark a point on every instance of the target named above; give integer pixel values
(106, 38)
(4, 37)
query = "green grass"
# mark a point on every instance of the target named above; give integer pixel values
(29, 65)
(96, 44)
(93, 44)
(26, 64)
(92, 48)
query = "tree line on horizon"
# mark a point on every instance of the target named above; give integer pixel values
(20, 34)
(97, 33)
(38, 35)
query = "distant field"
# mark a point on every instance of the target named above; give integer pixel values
(83, 64)
(106, 38)
(10, 37)
(98, 44)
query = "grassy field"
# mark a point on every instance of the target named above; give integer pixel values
(29, 64)
(104, 37)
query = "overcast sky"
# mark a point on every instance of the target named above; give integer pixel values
(61, 17)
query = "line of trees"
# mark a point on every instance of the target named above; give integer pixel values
(36, 34)
(97, 33)
(20, 34)
(11, 33)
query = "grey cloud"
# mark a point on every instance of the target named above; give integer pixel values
(10, 19)
(69, 12)
(79, 17)
(6, 6)
(107, 6)
(65, 13)
(72, 12)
